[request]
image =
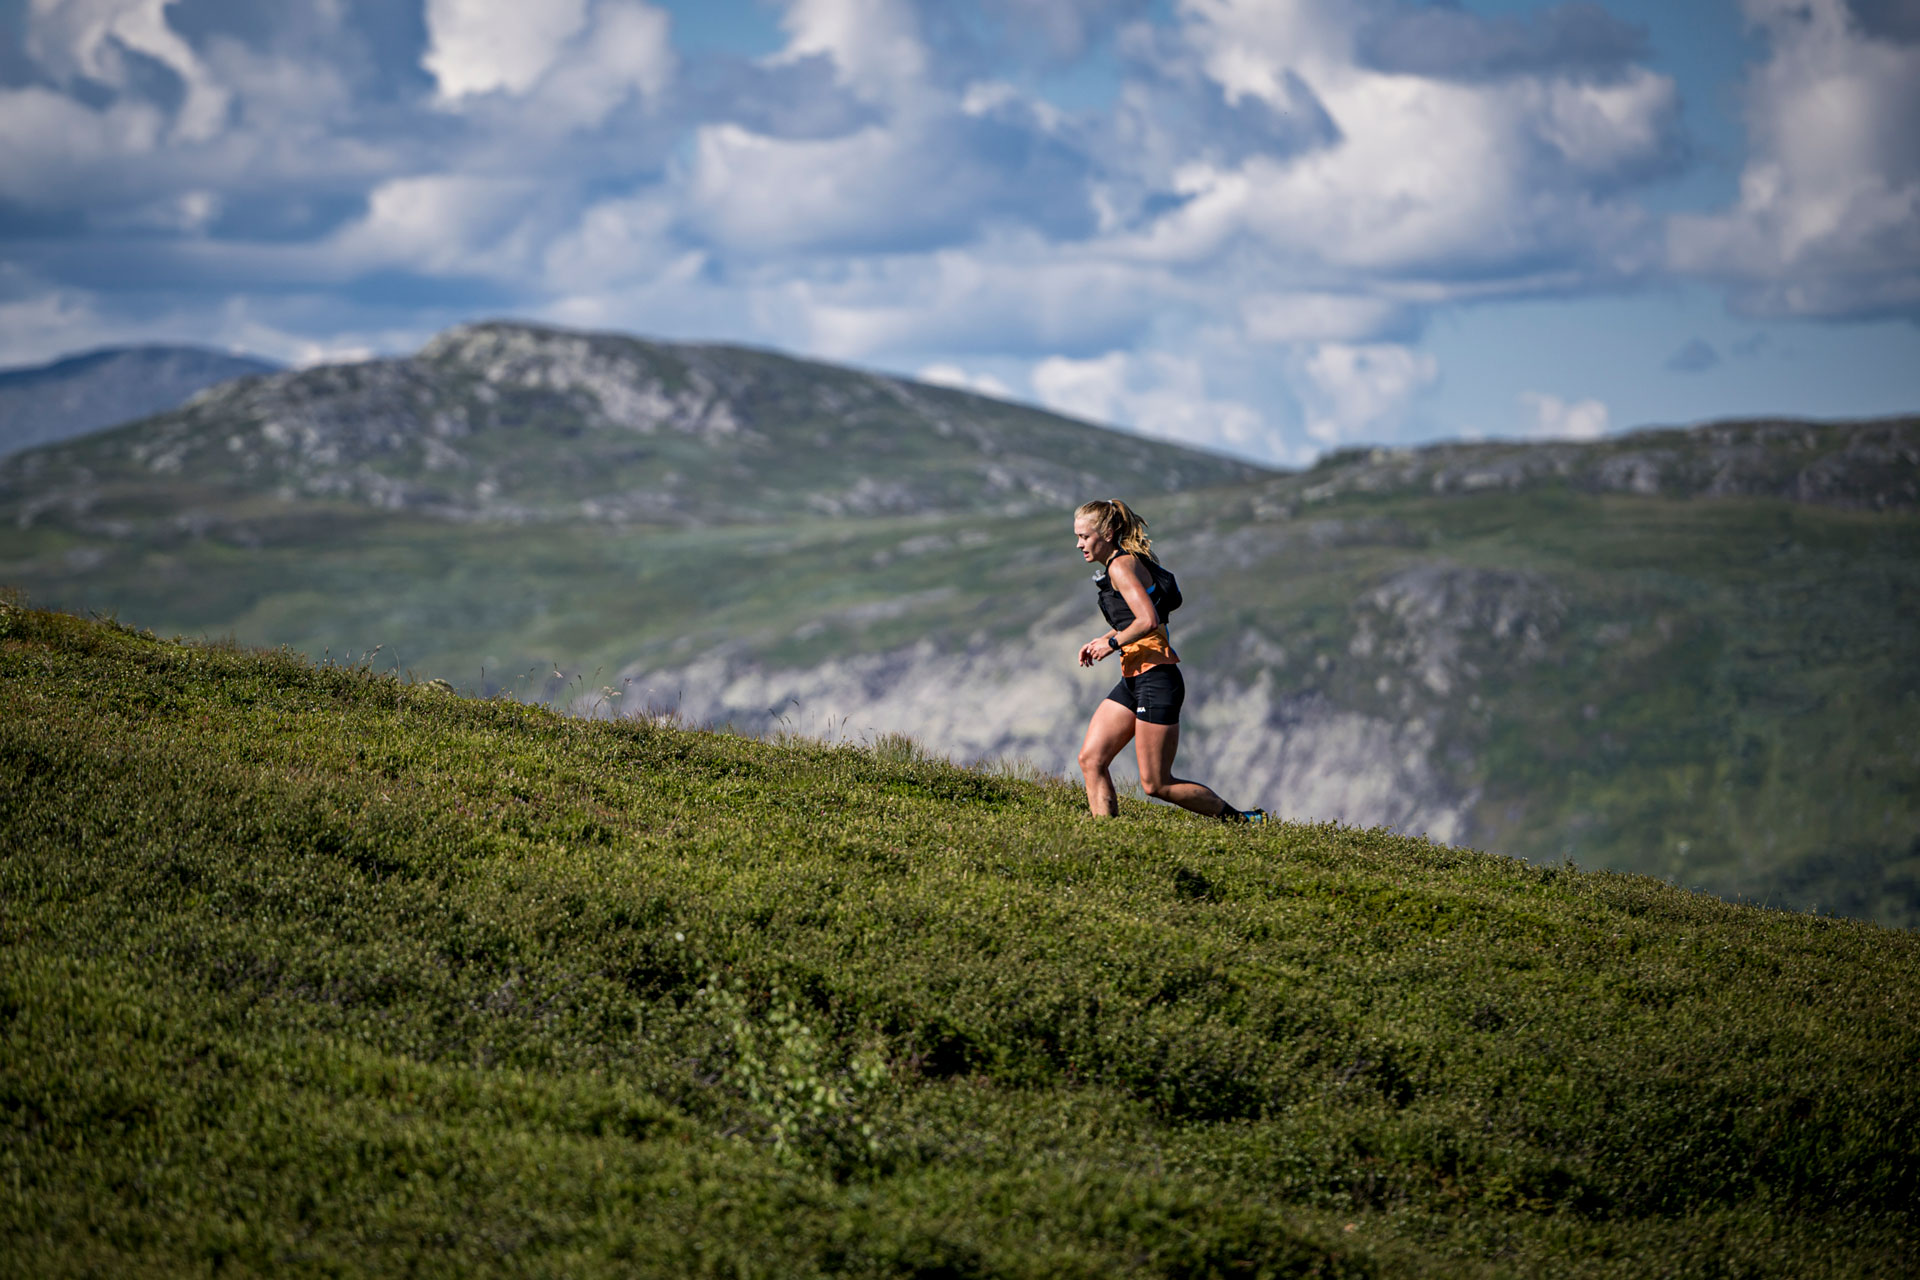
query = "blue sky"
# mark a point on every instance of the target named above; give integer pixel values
(1271, 227)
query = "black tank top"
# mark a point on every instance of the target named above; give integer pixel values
(1113, 605)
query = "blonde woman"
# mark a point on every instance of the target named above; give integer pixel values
(1136, 594)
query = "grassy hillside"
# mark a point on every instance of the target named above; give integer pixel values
(312, 970)
(1725, 693)
(1692, 654)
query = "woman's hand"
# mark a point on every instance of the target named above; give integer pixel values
(1095, 651)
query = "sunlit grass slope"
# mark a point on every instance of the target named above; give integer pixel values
(313, 971)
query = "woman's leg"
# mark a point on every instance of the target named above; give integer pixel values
(1110, 729)
(1155, 744)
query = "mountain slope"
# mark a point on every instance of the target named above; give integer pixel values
(1871, 465)
(1690, 654)
(509, 423)
(71, 397)
(312, 971)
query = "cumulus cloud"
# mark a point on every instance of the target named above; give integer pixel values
(433, 223)
(582, 63)
(1550, 417)
(104, 40)
(479, 46)
(952, 375)
(1248, 241)
(874, 45)
(1361, 391)
(1828, 218)
(1426, 178)
(1159, 395)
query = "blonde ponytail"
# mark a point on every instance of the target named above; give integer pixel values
(1126, 527)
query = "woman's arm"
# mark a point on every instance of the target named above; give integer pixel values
(1130, 580)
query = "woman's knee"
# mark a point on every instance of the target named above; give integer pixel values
(1158, 788)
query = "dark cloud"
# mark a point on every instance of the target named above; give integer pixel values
(1894, 20)
(281, 216)
(1448, 42)
(376, 44)
(1060, 30)
(1697, 356)
(16, 68)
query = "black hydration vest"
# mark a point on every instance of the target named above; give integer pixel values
(1162, 588)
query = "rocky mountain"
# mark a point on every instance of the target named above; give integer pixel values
(507, 423)
(1692, 653)
(1872, 465)
(71, 397)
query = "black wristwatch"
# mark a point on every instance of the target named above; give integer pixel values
(1113, 643)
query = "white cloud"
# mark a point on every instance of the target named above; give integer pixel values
(1423, 175)
(1006, 295)
(1361, 391)
(1550, 417)
(1318, 317)
(875, 45)
(617, 242)
(1270, 212)
(49, 144)
(573, 64)
(90, 39)
(766, 193)
(1092, 389)
(433, 223)
(952, 375)
(1828, 219)
(627, 51)
(479, 46)
(1158, 395)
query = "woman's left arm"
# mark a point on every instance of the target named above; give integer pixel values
(1130, 580)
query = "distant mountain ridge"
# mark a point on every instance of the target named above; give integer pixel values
(514, 423)
(1692, 653)
(1871, 464)
(48, 403)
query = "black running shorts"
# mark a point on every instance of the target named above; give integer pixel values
(1154, 695)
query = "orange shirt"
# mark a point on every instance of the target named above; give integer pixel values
(1151, 650)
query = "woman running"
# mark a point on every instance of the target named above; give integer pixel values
(1144, 708)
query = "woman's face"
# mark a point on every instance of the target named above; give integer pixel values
(1094, 545)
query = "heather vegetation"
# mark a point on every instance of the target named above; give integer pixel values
(314, 970)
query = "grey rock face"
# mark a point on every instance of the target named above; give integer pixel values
(1299, 755)
(84, 393)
